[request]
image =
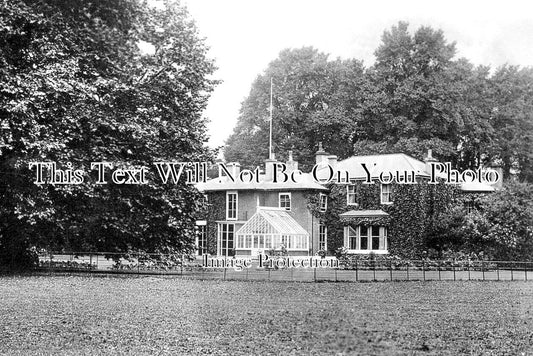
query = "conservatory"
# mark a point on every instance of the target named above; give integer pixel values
(271, 229)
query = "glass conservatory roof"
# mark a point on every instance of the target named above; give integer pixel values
(272, 221)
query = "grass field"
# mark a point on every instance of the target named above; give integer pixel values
(156, 315)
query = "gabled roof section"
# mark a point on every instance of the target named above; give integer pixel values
(394, 162)
(272, 221)
(365, 217)
(305, 182)
(363, 214)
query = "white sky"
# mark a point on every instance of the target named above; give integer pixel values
(244, 36)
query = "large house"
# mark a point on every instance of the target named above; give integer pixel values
(366, 204)
(250, 216)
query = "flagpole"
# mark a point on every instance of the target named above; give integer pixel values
(270, 141)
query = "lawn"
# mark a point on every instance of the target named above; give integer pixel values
(163, 315)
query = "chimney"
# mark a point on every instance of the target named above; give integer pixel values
(292, 165)
(219, 163)
(428, 160)
(332, 161)
(269, 168)
(235, 169)
(321, 155)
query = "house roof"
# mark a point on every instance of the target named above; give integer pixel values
(476, 187)
(304, 182)
(272, 220)
(394, 162)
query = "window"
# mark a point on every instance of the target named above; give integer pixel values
(285, 201)
(202, 239)
(352, 239)
(470, 206)
(366, 238)
(269, 241)
(363, 238)
(351, 195)
(231, 206)
(226, 237)
(386, 193)
(323, 202)
(322, 237)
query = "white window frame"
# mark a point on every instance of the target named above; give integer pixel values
(389, 194)
(224, 228)
(348, 193)
(323, 235)
(350, 233)
(325, 198)
(201, 236)
(290, 201)
(228, 217)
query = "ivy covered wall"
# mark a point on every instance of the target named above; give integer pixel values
(216, 211)
(412, 214)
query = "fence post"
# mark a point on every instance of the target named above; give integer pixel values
(468, 265)
(314, 274)
(424, 270)
(525, 271)
(50, 263)
(374, 269)
(407, 270)
(356, 272)
(438, 267)
(512, 277)
(335, 274)
(390, 269)
(483, 269)
(453, 270)
(498, 270)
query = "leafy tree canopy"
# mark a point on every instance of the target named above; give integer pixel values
(77, 88)
(416, 96)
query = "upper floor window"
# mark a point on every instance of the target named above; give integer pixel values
(470, 206)
(323, 202)
(386, 194)
(285, 201)
(351, 195)
(231, 205)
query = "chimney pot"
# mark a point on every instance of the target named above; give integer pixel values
(321, 155)
(292, 165)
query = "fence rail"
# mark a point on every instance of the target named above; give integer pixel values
(353, 270)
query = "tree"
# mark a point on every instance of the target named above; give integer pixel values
(312, 102)
(512, 120)
(509, 213)
(500, 226)
(76, 88)
(419, 97)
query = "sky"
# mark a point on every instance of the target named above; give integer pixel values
(244, 36)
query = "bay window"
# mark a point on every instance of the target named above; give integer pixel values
(365, 239)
